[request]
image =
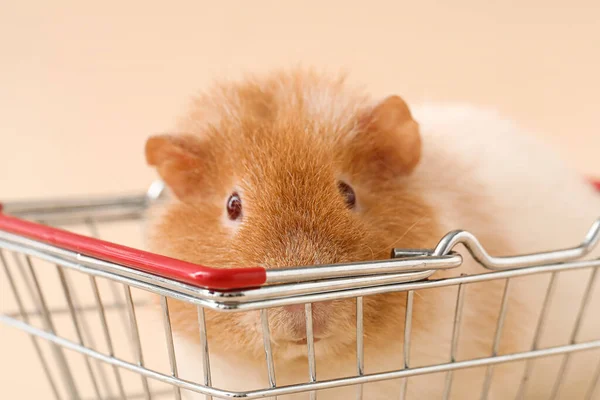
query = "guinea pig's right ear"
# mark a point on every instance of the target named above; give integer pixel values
(388, 143)
(179, 160)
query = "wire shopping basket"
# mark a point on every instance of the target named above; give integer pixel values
(81, 300)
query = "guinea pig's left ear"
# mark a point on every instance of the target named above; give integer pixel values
(180, 162)
(388, 142)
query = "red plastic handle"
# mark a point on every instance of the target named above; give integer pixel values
(193, 274)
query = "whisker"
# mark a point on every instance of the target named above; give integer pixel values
(410, 228)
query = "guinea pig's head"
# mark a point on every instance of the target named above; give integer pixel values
(290, 172)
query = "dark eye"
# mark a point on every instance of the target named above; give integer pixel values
(234, 206)
(348, 193)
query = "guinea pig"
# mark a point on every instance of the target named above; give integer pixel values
(299, 168)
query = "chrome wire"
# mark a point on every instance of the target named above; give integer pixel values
(264, 297)
(264, 316)
(585, 300)
(487, 383)
(170, 345)
(310, 345)
(460, 299)
(360, 345)
(114, 286)
(134, 336)
(408, 271)
(107, 337)
(68, 298)
(299, 388)
(407, 333)
(25, 318)
(537, 335)
(87, 334)
(40, 301)
(204, 345)
(594, 384)
(478, 252)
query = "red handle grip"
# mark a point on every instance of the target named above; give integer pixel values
(193, 274)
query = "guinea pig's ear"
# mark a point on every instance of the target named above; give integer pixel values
(180, 161)
(388, 143)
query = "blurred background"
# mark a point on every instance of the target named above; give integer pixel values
(82, 84)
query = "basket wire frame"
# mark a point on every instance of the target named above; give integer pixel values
(105, 369)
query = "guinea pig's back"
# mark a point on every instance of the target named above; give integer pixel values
(479, 166)
(486, 175)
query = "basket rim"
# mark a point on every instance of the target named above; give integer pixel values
(166, 267)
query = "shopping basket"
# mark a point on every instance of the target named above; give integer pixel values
(81, 300)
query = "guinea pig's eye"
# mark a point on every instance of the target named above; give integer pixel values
(348, 193)
(234, 206)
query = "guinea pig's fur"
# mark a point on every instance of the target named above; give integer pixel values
(283, 142)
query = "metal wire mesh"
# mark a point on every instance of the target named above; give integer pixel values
(86, 322)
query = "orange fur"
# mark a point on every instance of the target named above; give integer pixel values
(283, 142)
(286, 164)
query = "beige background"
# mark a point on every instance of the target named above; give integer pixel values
(83, 83)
